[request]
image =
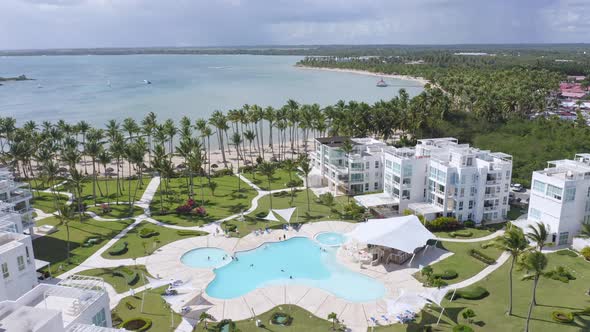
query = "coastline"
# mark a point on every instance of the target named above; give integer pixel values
(420, 80)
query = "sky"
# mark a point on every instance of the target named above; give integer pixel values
(40, 24)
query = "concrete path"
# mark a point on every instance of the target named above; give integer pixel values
(482, 274)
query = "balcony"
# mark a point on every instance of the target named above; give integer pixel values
(491, 195)
(490, 207)
(19, 196)
(492, 182)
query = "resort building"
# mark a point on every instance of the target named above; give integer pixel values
(76, 304)
(440, 177)
(560, 198)
(17, 263)
(15, 198)
(359, 171)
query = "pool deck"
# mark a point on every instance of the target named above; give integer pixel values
(165, 263)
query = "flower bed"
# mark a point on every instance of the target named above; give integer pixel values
(118, 249)
(562, 316)
(138, 324)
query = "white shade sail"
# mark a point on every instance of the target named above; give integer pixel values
(403, 233)
(271, 216)
(285, 213)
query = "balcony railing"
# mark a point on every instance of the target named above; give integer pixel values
(490, 207)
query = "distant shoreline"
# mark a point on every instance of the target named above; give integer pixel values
(420, 80)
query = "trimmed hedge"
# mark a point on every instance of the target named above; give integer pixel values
(469, 293)
(443, 224)
(461, 234)
(481, 257)
(567, 252)
(462, 328)
(130, 276)
(562, 316)
(135, 324)
(188, 233)
(469, 223)
(118, 249)
(144, 233)
(447, 275)
(230, 227)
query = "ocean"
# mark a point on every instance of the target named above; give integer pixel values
(100, 88)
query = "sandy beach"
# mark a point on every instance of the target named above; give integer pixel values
(420, 80)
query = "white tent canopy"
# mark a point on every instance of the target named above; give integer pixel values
(285, 213)
(403, 233)
(271, 216)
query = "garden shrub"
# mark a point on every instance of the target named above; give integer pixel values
(586, 253)
(223, 172)
(188, 233)
(443, 224)
(447, 275)
(231, 227)
(561, 274)
(118, 249)
(469, 223)
(585, 312)
(231, 326)
(138, 324)
(469, 293)
(567, 252)
(147, 232)
(327, 199)
(462, 328)
(281, 318)
(461, 234)
(481, 256)
(562, 316)
(130, 276)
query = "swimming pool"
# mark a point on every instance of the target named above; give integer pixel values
(331, 239)
(205, 258)
(295, 261)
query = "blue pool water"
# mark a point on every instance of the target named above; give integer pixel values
(300, 258)
(205, 257)
(332, 239)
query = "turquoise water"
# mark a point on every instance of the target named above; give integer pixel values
(330, 238)
(299, 258)
(205, 258)
(77, 88)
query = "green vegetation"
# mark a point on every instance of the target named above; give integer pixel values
(101, 187)
(475, 232)
(52, 247)
(283, 200)
(227, 200)
(279, 180)
(46, 201)
(155, 309)
(302, 320)
(153, 238)
(116, 211)
(461, 261)
(552, 295)
(121, 278)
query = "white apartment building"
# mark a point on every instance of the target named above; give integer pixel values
(15, 197)
(440, 177)
(560, 198)
(76, 304)
(18, 273)
(361, 170)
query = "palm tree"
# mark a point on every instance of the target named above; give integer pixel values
(219, 121)
(64, 214)
(267, 169)
(538, 234)
(290, 165)
(237, 140)
(269, 116)
(534, 263)
(347, 149)
(306, 169)
(83, 128)
(93, 149)
(514, 242)
(334, 318)
(105, 158)
(148, 126)
(76, 180)
(212, 187)
(118, 148)
(203, 317)
(250, 136)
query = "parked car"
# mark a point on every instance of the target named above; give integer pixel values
(517, 187)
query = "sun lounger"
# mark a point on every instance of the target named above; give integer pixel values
(374, 320)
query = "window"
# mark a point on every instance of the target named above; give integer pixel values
(507, 175)
(5, 272)
(407, 181)
(368, 165)
(505, 200)
(570, 194)
(554, 192)
(28, 255)
(462, 192)
(469, 161)
(406, 194)
(356, 177)
(460, 206)
(407, 171)
(376, 185)
(506, 188)
(366, 187)
(539, 186)
(21, 263)
(388, 164)
(535, 214)
(396, 168)
(473, 191)
(100, 319)
(376, 163)
(563, 237)
(471, 204)
(396, 179)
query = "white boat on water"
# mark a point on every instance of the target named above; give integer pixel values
(381, 84)
(147, 82)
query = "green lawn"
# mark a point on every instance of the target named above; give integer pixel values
(303, 320)
(46, 201)
(477, 232)
(317, 211)
(278, 181)
(111, 184)
(155, 308)
(226, 201)
(118, 282)
(516, 211)
(139, 247)
(117, 211)
(551, 295)
(42, 184)
(465, 265)
(52, 247)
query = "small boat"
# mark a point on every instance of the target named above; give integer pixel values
(381, 84)
(147, 82)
